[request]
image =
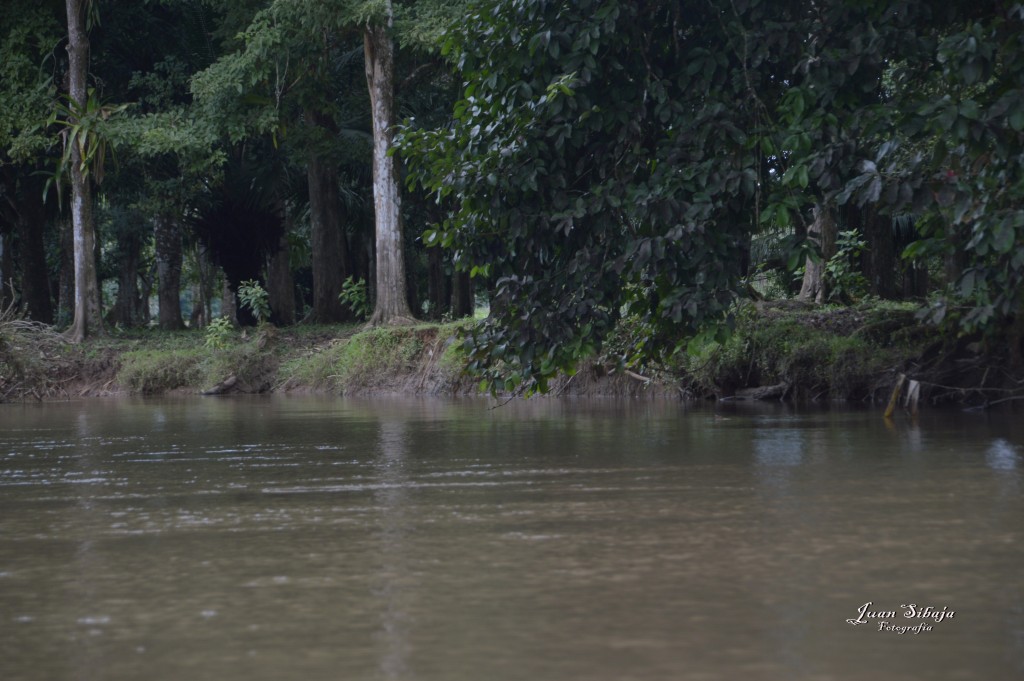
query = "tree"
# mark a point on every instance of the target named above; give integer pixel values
(30, 30)
(606, 158)
(815, 286)
(391, 305)
(956, 164)
(911, 113)
(290, 80)
(612, 158)
(145, 53)
(288, 83)
(126, 226)
(88, 317)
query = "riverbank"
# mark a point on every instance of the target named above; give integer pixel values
(779, 351)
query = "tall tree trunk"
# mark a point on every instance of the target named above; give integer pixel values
(25, 217)
(201, 312)
(167, 242)
(8, 212)
(328, 248)
(462, 294)
(6, 273)
(146, 292)
(281, 285)
(823, 232)
(391, 305)
(880, 255)
(88, 315)
(956, 257)
(35, 280)
(128, 308)
(915, 280)
(437, 283)
(228, 302)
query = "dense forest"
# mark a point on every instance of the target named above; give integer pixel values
(593, 171)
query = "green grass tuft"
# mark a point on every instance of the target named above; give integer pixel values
(156, 371)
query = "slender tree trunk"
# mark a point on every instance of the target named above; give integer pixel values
(167, 242)
(145, 293)
(26, 219)
(879, 258)
(228, 303)
(915, 280)
(281, 285)
(956, 258)
(88, 316)
(127, 309)
(201, 312)
(35, 280)
(462, 295)
(8, 216)
(329, 251)
(361, 248)
(6, 273)
(437, 283)
(823, 231)
(391, 305)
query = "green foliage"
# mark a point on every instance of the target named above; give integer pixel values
(945, 142)
(845, 281)
(355, 296)
(607, 160)
(600, 163)
(85, 127)
(613, 157)
(29, 30)
(254, 298)
(837, 354)
(219, 334)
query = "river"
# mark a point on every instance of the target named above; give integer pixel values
(309, 538)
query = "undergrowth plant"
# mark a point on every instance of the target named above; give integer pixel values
(218, 334)
(354, 296)
(846, 283)
(255, 298)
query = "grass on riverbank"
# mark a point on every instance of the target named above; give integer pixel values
(154, 362)
(336, 359)
(781, 350)
(339, 359)
(425, 358)
(809, 354)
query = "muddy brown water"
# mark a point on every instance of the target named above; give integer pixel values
(308, 539)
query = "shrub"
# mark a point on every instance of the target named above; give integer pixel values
(255, 298)
(354, 295)
(219, 333)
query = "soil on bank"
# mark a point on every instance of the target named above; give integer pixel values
(779, 351)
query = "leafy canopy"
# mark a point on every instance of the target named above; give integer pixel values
(611, 157)
(606, 158)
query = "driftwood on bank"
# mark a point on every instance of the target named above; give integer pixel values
(223, 387)
(761, 392)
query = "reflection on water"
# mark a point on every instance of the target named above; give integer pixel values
(327, 539)
(393, 568)
(1002, 456)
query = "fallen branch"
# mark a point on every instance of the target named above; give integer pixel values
(761, 392)
(636, 376)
